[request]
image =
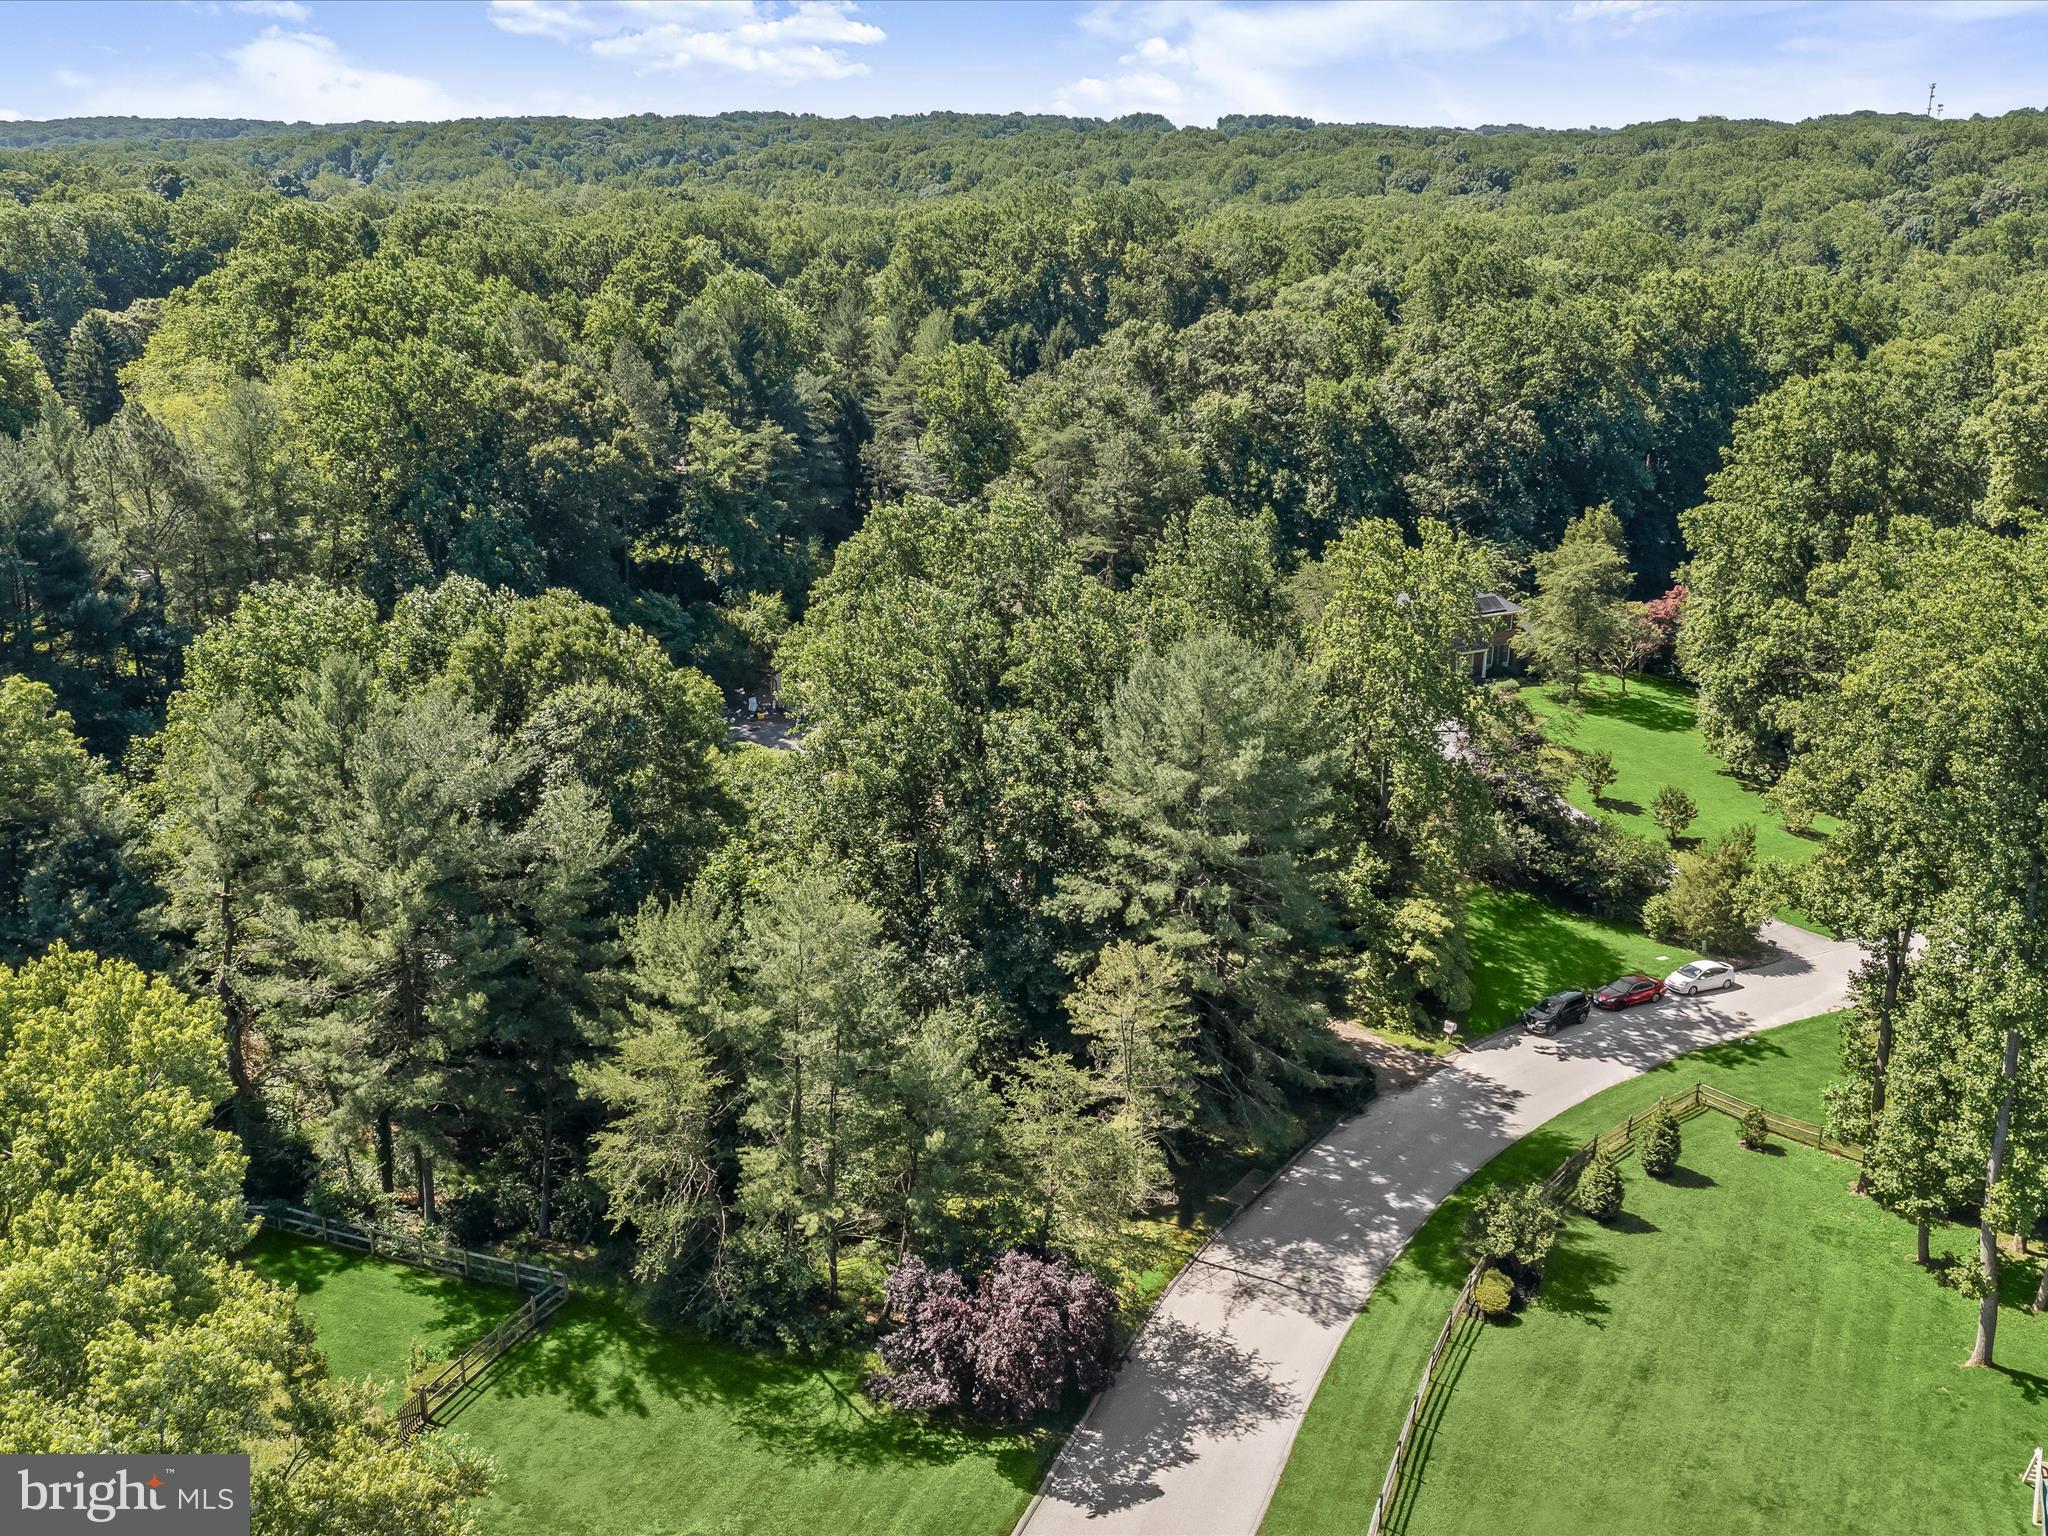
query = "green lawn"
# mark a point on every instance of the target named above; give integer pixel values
(1747, 1348)
(603, 1426)
(606, 1427)
(1341, 1452)
(1523, 949)
(1654, 740)
(366, 1312)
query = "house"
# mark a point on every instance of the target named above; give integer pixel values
(1491, 648)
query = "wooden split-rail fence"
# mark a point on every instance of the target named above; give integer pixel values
(545, 1287)
(1614, 1142)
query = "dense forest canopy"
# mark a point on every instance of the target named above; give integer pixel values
(387, 510)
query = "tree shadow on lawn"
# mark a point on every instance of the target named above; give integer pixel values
(1645, 706)
(1443, 1386)
(1574, 1278)
(1527, 950)
(1683, 1177)
(600, 1361)
(461, 1310)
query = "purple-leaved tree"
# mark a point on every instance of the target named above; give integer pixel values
(1004, 1352)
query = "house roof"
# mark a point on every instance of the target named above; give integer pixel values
(1492, 605)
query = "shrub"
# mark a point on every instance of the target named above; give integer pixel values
(1599, 1189)
(1658, 1143)
(1514, 1226)
(1718, 900)
(1673, 811)
(471, 1217)
(1494, 1294)
(1009, 1349)
(1755, 1132)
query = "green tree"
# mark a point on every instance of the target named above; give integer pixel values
(1133, 1011)
(952, 670)
(824, 1010)
(1673, 811)
(1659, 1147)
(1598, 1192)
(1719, 898)
(1514, 1225)
(1579, 617)
(1597, 769)
(120, 1215)
(1082, 1167)
(388, 951)
(938, 1144)
(1214, 811)
(658, 1156)
(1386, 619)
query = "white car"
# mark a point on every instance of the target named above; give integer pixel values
(1700, 976)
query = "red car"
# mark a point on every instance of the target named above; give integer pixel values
(1629, 991)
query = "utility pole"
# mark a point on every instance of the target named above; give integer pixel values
(1930, 99)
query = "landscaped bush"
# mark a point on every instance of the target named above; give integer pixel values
(1755, 1132)
(1494, 1294)
(1657, 1143)
(1514, 1226)
(1011, 1348)
(1599, 1189)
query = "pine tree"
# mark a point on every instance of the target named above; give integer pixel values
(1213, 811)
(658, 1156)
(1133, 1011)
(558, 1000)
(825, 1005)
(384, 910)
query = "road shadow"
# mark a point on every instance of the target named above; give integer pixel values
(1198, 1384)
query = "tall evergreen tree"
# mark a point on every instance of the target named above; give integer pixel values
(1213, 813)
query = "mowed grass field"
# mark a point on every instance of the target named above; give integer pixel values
(1523, 949)
(1747, 1348)
(367, 1312)
(603, 1426)
(1653, 735)
(1340, 1455)
(607, 1427)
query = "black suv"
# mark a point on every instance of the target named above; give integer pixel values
(1556, 1011)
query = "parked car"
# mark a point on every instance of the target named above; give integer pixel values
(1627, 991)
(1700, 976)
(1554, 1012)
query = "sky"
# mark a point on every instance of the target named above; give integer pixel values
(1572, 63)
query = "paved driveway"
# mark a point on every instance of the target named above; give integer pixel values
(1191, 1437)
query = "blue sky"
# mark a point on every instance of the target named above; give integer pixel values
(1567, 64)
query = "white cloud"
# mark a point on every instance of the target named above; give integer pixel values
(9, 115)
(1197, 61)
(806, 40)
(296, 76)
(277, 10)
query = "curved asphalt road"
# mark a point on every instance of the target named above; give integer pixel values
(1191, 1437)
